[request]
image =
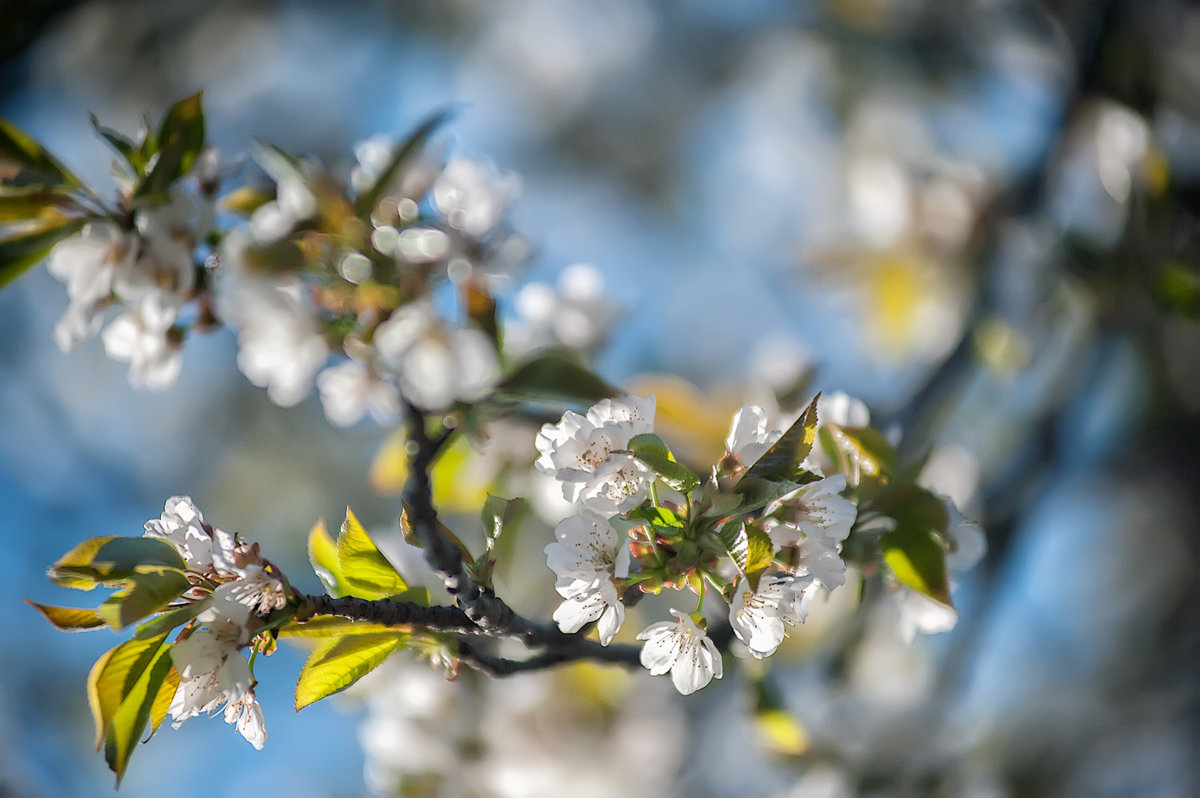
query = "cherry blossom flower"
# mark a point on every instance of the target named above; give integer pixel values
(87, 263)
(435, 364)
(683, 649)
(350, 390)
(816, 510)
(582, 452)
(212, 673)
(142, 337)
(750, 436)
(758, 617)
(575, 312)
(588, 554)
(472, 197)
(182, 525)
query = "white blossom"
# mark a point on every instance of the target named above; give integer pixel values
(471, 197)
(582, 452)
(87, 263)
(294, 202)
(758, 617)
(920, 613)
(588, 554)
(816, 510)
(968, 544)
(182, 525)
(575, 312)
(142, 337)
(750, 436)
(351, 389)
(683, 649)
(212, 673)
(435, 364)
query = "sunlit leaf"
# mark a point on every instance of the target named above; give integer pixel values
(129, 721)
(170, 619)
(782, 460)
(332, 626)
(18, 148)
(757, 492)
(342, 661)
(915, 548)
(68, 619)
(651, 450)
(364, 568)
(111, 559)
(736, 542)
(26, 247)
(165, 695)
(180, 139)
(35, 203)
(499, 515)
(323, 554)
(146, 591)
(760, 554)
(113, 677)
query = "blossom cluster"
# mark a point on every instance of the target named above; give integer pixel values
(640, 525)
(360, 270)
(145, 268)
(233, 589)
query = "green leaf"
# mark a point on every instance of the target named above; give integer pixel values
(245, 200)
(342, 661)
(662, 520)
(861, 453)
(180, 139)
(164, 697)
(365, 569)
(401, 157)
(114, 676)
(915, 549)
(499, 514)
(148, 590)
(554, 378)
(25, 248)
(332, 626)
(68, 619)
(111, 559)
(757, 492)
(760, 554)
(170, 619)
(323, 554)
(736, 542)
(35, 203)
(19, 149)
(130, 719)
(651, 450)
(782, 461)
(122, 145)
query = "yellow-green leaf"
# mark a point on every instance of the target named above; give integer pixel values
(165, 695)
(130, 718)
(342, 661)
(147, 590)
(323, 554)
(918, 559)
(331, 626)
(364, 568)
(114, 676)
(68, 619)
(782, 460)
(26, 246)
(19, 148)
(111, 559)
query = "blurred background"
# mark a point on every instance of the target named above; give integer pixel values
(979, 217)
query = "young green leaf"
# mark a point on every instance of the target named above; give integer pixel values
(122, 145)
(180, 139)
(760, 554)
(915, 548)
(36, 203)
(331, 626)
(367, 572)
(113, 677)
(25, 248)
(169, 620)
(782, 460)
(554, 378)
(18, 148)
(68, 619)
(146, 591)
(757, 492)
(499, 515)
(403, 157)
(736, 542)
(651, 450)
(861, 453)
(130, 719)
(342, 661)
(164, 697)
(111, 559)
(323, 554)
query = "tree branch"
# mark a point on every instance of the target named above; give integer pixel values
(394, 613)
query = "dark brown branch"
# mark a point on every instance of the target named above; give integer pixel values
(585, 649)
(394, 613)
